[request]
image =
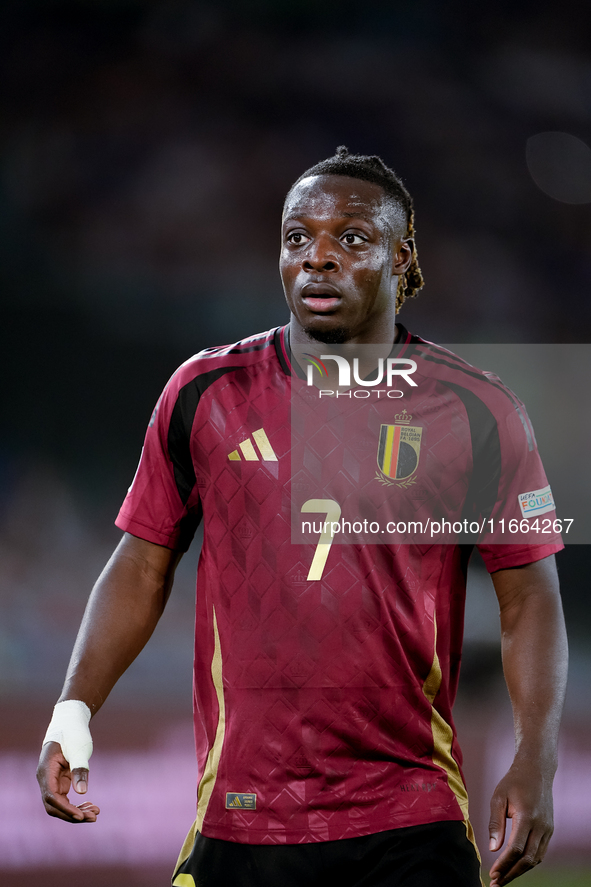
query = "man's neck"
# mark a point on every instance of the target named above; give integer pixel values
(386, 334)
(368, 354)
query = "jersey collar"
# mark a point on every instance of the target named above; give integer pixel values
(291, 367)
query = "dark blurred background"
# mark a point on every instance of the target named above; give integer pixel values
(145, 150)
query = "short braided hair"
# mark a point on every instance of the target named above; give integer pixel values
(371, 168)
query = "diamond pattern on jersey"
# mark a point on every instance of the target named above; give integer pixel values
(362, 626)
(322, 679)
(232, 579)
(320, 623)
(280, 715)
(258, 673)
(227, 485)
(448, 449)
(300, 761)
(277, 625)
(340, 578)
(298, 670)
(324, 443)
(217, 529)
(245, 530)
(321, 715)
(336, 455)
(261, 578)
(246, 621)
(261, 487)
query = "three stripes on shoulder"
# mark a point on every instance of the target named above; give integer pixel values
(249, 454)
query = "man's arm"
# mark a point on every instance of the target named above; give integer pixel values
(535, 655)
(122, 612)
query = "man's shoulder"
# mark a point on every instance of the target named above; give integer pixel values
(220, 359)
(438, 362)
(438, 358)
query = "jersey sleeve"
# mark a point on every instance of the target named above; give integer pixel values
(521, 527)
(162, 504)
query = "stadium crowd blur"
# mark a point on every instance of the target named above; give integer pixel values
(146, 148)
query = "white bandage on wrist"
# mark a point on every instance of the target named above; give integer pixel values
(69, 727)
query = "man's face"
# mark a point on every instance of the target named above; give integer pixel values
(341, 255)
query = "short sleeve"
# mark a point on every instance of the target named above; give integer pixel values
(521, 528)
(162, 504)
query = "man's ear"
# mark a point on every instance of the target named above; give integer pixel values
(402, 256)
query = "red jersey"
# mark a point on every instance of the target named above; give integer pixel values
(325, 674)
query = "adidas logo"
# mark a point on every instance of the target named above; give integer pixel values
(249, 454)
(241, 800)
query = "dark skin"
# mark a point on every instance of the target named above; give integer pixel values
(122, 612)
(343, 250)
(342, 254)
(535, 658)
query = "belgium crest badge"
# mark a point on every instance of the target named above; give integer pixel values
(399, 449)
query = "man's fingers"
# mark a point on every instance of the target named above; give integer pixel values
(89, 807)
(544, 843)
(524, 850)
(519, 861)
(61, 808)
(89, 811)
(513, 851)
(496, 825)
(526, 798)
(54, 777)
(80, 780)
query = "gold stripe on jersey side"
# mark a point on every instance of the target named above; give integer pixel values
(210, 770)
(443, 740)
(180, 880)
(234, 456)
(249, 451)
(184, 881)
(264, 445)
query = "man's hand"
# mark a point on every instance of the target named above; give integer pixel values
(525, 797)
(123, 610)
(55, 779)
(535, 655)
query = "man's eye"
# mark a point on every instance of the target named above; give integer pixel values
(352, 239)
(297, 238)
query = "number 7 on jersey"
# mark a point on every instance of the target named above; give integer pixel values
(332, 510)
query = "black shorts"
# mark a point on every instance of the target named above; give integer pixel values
(435, 855)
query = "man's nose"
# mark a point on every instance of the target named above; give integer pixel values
(320, 256)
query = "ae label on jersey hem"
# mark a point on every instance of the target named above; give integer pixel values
(241, 801)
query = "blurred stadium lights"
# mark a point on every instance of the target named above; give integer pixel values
(560, 165)
(146, 150)
(147, 801)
